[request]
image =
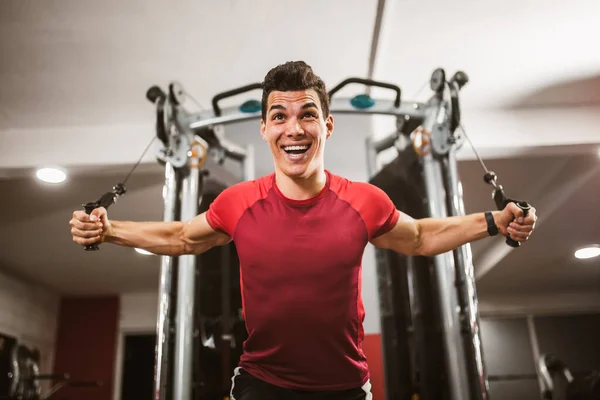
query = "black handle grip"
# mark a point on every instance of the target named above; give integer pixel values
(89, 207)
(156, 96)
(231, 93)
(105, 201)
(368, 82)
(523, 205)
(161, 129)
(455, 115)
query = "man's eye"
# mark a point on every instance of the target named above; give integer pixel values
(277, 116)
(310, 115)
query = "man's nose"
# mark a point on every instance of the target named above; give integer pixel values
(294, 128)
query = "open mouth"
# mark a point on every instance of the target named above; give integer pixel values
(296, 149)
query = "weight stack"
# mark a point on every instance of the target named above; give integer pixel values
(412, 345)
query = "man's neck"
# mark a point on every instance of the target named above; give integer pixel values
(301, 188)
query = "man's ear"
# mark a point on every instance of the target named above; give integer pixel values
(263, 129)
(329, 125)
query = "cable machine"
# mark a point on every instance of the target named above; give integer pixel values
(432, 351)
(429, 309)
(189, 139)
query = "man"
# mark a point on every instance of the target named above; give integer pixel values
(300, 234)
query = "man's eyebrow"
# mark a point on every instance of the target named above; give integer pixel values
(309, 105)
(276, 107)
(304, 107)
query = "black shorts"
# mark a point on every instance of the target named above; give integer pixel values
(246, 387)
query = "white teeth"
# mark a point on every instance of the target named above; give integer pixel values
(289, 148)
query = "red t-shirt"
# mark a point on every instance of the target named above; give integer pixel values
(301, 277)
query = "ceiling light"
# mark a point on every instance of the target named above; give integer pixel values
(588, 252)
(51, 175)
(144, 252)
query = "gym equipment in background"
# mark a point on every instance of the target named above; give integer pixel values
(20, 377)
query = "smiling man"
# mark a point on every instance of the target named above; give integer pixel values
(300, 234)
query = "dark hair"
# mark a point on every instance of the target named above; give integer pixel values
(294, 75)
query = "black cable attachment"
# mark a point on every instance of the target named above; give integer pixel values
(106, 200)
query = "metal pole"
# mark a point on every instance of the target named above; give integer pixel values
(466, 289)
(248, 164)
(535, 351)
(444, 271)
(371, 157)
(190, 191)
(170, 191)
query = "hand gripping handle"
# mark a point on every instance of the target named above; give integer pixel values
(89, 207)
(523, 205)
(106, 200)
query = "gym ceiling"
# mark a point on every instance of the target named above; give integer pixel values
(74, 75)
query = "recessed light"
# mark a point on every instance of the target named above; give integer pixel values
(588, 252)
(144, 252)
(51, 175)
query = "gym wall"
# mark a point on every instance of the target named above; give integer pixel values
(564, 324)
(137, 314)
(86, 343)
(539, 304)
(29, 313)
(508, 349)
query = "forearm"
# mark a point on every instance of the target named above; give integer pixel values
(163, 238)
(441, 235)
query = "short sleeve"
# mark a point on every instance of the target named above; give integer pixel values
(225, 211)
(383, 214)
(372, 204)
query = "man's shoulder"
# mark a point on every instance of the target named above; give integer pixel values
(255, 188)
(344, 186)
(372, 204)
(225, 212)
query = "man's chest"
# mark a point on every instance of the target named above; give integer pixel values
(279, 242)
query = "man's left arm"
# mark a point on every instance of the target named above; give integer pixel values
(432, 236)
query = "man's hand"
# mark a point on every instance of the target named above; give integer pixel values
(89, 229)
(511, 222)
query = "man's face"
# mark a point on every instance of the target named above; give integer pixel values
(296, 131)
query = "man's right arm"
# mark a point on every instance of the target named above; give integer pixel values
(164, 238)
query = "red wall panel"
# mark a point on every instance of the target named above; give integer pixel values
(372, 349)
(86, 345)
